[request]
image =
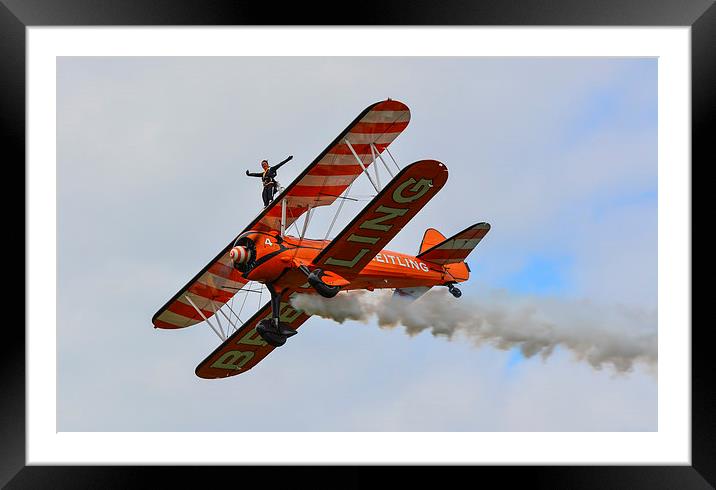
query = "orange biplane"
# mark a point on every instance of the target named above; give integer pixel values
(354, 259)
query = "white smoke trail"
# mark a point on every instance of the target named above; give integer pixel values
(617, 335)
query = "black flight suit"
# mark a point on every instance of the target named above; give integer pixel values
(269, 180)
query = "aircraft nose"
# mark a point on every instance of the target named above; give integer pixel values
(238, 255)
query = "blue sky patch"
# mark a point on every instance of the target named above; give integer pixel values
(541, 275)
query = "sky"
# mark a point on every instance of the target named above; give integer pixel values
(559, 155)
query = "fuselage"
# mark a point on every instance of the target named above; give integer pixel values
(277, 261)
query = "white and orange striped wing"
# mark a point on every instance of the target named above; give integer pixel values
(320, 184)
(456, 248)
(336, 167)
(209, 290)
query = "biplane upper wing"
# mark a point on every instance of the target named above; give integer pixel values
(382, 218)
(330, 174)
(245, 348)
(320, 184)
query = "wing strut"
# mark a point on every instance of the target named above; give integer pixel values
(221, 310)
(372, 155)
(222, 337)
(283, 216)
(303, 231)
(374, 149)
(360, 162)
(340, 206)
(218, 320)
(391, 157)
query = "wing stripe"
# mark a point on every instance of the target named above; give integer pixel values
(327, 180)
(211, 293)
(347, 160)
(309, 191)
(220, 282)
(179, 321)
(183, 309)
(226, 272)
(162, 324)
(329, 170)
(382, 116)
(364, 140)
(378, 127)
(205, 304)
(363, 150)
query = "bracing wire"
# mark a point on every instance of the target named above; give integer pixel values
(261, 293)
(246, 296)
(230, 309)
(234, 314)
(391, 157)
(340, 206)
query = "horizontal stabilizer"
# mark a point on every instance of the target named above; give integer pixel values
(456, 248)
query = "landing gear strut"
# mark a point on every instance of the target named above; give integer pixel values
(271, 329)
(454, 291)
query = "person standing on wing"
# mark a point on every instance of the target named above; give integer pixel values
(268, 176)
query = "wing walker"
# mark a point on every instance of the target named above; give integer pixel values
(264, 253)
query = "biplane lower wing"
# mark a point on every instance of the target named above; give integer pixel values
(382, 219)
(203, 296)
(245, 348)
(455, 249)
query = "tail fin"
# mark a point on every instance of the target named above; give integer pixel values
(452, 252)
(431, 237)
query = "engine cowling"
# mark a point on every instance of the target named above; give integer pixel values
(243, 254)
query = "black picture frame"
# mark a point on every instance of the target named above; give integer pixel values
(16, 15)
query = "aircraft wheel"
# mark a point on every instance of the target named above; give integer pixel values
(454, 291)
(314, 279)
(268, 332)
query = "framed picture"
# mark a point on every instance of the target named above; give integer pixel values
(567, 132)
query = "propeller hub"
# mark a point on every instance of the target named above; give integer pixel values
(239, 255)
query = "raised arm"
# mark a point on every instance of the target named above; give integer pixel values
(252, 174)
(278, 165)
